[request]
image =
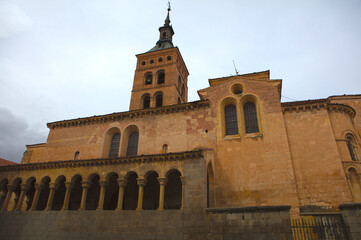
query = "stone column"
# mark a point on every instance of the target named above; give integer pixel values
(11, 189)
(141, 183)
(122, 183)
(162, 182)
(38, 189)
(68, 186)
(24, 188)
(183, 184)
(52, 187)
(152, 102)
(102, 194)
(85, 186)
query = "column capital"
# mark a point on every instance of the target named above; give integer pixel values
(122, 182)
(162, 181)
(68, 185)
(103, 183)
(39, 186)
(141, 181)
(24, 187)
(53, 186)
(85, 184)
(348, 176)
(182, 179)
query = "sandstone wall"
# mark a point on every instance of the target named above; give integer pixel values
(252, 169)
(317, 164)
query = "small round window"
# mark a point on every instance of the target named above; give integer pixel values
(143, 63)
(160, 59)
(237, 89)
(151, 61)
(169, 58)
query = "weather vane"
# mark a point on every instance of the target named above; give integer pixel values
(169, 9)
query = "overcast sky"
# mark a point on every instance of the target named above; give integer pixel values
(64, 59)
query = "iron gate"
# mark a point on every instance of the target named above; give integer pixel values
(319, 227)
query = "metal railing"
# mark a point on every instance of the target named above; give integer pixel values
(319, 227)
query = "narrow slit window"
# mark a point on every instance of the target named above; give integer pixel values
(76, 156)
(230, 114)
(132, 149)
(351, 148)
(114, 145)
(250, 117)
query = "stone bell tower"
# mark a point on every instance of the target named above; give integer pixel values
(160, 77)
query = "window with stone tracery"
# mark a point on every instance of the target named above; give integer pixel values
(132, 148)
(114, 145)
(250, 117)
(231, 122)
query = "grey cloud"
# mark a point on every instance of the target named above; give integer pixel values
(15, 133)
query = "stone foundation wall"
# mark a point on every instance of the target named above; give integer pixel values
(351, 213)
(221, 224)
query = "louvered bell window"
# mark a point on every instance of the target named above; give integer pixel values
(114, 145)
(250, 117)
(230, 113)
(132, 149)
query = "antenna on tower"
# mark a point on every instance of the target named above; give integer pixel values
(235, 68)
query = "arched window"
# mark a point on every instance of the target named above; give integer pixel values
(76, 155)
(161, 78)
(159, 100)
(114, 145)
(351, 147)
(250, 117)
(148, 79)
(165, 148)
(132, 149)
(179, 101)
(230, 114)
(146, 102)
(179, 81)
(183, 93)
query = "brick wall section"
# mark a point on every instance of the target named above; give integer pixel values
(351, 213)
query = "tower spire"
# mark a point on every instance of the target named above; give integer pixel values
(166, 34)
(167, 20)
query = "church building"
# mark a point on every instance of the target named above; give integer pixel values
(168, 165)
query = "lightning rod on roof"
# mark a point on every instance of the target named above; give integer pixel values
(235, 68)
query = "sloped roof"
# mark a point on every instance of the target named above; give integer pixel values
(4, 162)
